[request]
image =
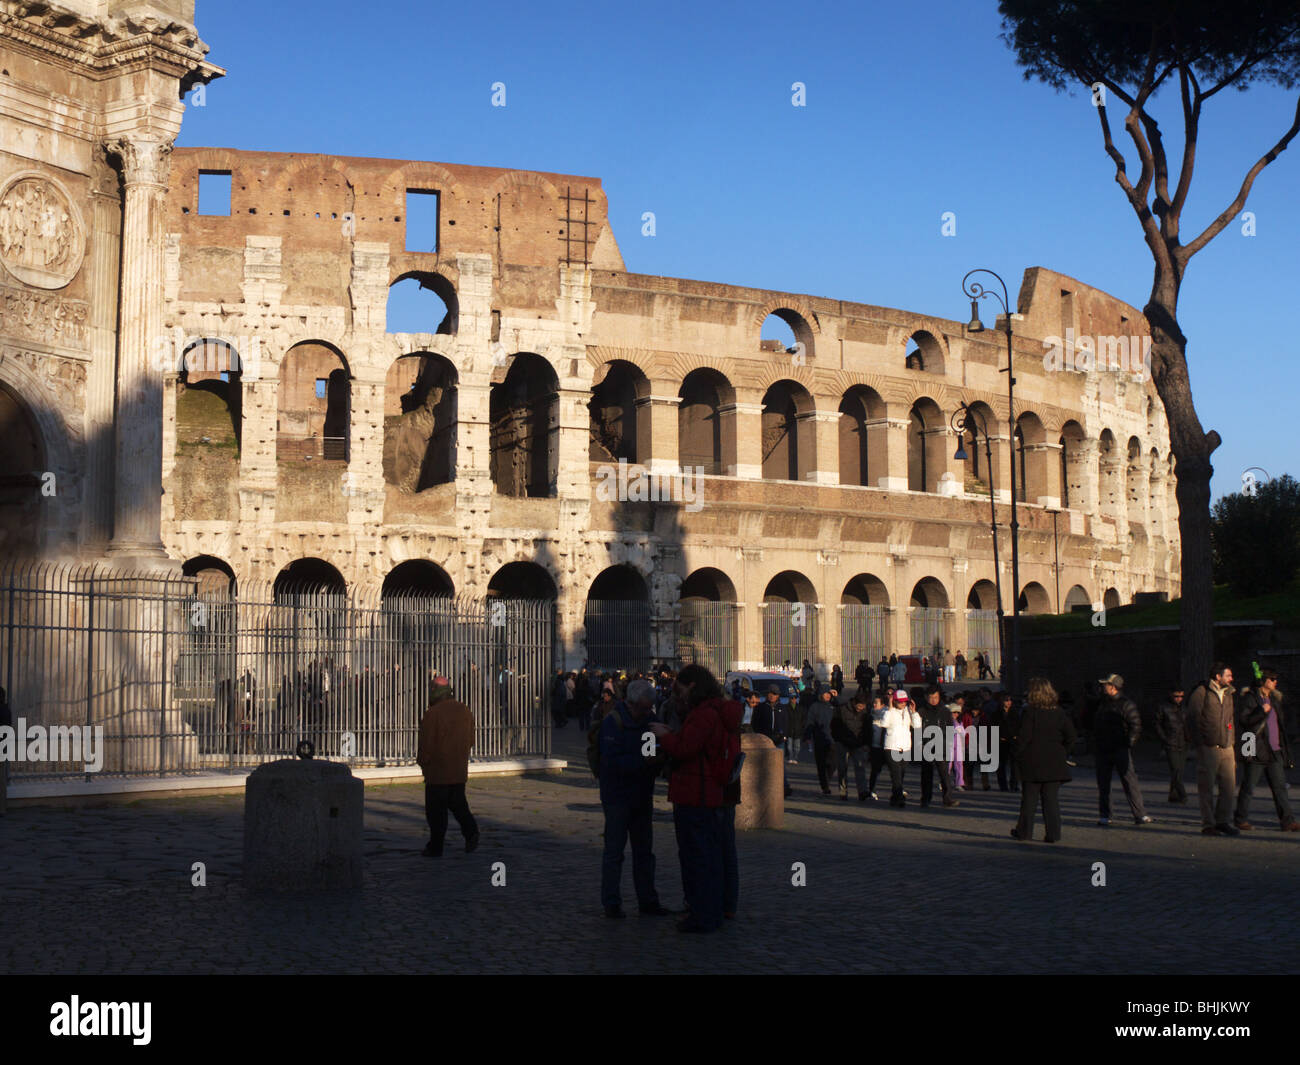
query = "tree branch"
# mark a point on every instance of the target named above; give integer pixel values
(1150, 230)
(1219, 224)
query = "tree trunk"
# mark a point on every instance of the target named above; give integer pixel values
(1192, 448)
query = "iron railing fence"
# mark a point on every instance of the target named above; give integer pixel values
(928, 632)
(789, 633)
(618, 635)
(706, 633)
(864, 634)
(183, 681)
(982, 635)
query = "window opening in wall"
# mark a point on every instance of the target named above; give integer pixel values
(321, 384)
(421, 220)
(214, 192)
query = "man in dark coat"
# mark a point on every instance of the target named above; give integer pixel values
(1210, 713)
(1116, 728)
(935, 715)
(627, 785)
(772, 720)
(1171, 727)
(1044, 738)
(851, 733)
(1261, 730)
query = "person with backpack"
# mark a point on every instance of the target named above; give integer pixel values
(627, 783)
(705, 755)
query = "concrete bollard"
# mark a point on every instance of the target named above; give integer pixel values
(762, 784)
(302, 827)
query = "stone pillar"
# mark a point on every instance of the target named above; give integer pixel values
(1156, 496)
(1001, 467)
(1082, 470)
(97, 509)
(742, 438)
(257, 471)
(1047, 458)
(137, 505)
(895, 440)
(572, 474)
(825, 465)
(949, 472)
(656, 431)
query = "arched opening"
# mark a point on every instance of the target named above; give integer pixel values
(1108, 477)
(923, 353)
(862, 437)
(1034, 599)
(786, 332)
(1155, 495)
(926, 440)
(704, 436)
(864, 622)
(522, 580)
(420, 422)
(1111, 600)
(1073, 468)
(1031, 458)
(615, 427)
(209, 401)
(314, 405)
(309, 577)
(975, 476)
(928, 610)
(524, 409)
(421, 302)
(1077, 599)
(706, 630)
(214, 576)
(617, 621)
(790, 620)
(982, 636)
(789, 432)
(1135, 484)
(983, 596)
(417, 578)
(22, 462)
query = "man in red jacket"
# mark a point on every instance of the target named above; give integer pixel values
(701, 753)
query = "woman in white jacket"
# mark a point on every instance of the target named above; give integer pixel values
(900, 719)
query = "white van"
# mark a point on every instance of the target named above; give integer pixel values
(738, 684)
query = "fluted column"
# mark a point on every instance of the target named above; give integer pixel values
(137, 505)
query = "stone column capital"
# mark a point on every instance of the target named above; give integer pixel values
(146, 157)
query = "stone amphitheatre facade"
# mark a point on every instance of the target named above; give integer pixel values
(301, 441)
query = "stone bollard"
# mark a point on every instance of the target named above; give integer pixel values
(302, 826)
(762, 784)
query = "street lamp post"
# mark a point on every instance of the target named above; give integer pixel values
(964, 418)
(977, 291)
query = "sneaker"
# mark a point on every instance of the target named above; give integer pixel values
(1072, 765)
(1290, 826)
(904, 795)
(429, 852)
(1243, 826)
(1211, 831)
(1144, 820)
(1227, 830)
(951, 802)
(1103, 821)
(875, 797)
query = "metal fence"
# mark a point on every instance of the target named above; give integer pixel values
(706, 633)
(789, 633)
(183, 681)
(982, 635)
(928, 631)
(618, 635)
(864, 633)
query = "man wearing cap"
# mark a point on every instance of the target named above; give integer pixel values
(446, 736)
(772, 720)
(1172, 727)
(898, 723)
(1116, 728)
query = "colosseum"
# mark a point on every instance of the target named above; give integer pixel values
(218, 389)
(625, 444)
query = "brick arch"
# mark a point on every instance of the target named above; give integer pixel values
(600, 356)
(515, 179)
(282, 181)
(899, 335)
(395, 349)
(787, 303)
(801, 375)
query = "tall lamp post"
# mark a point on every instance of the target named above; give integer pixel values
(963, 419)
(978, 291)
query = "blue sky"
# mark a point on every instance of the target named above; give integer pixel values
(685, 110)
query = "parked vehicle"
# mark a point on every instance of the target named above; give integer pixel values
(739, 683)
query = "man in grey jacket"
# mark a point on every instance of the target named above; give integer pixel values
(1210, 710)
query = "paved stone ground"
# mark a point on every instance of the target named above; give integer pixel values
(107, 890)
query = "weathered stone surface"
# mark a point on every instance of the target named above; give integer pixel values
(302, 827)
(762, 784)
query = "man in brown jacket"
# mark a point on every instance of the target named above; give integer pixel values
(1211, 711)
(446, 736)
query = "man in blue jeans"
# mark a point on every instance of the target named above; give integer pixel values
(627, 784)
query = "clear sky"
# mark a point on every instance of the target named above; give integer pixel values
(685, 110)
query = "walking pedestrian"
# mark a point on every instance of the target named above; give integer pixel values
(899, 721)
(627, 784)
(819, 721)
(6, 721)
(772, 720)
(957, 767)
(702, 752)
(1116, 728)
(851, 731)
(1171, 727)
(1210, 710)
(1044, 738)
(934, 715)
(1265, 750)
(446, 737)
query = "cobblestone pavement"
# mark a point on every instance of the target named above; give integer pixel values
(107, 890)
